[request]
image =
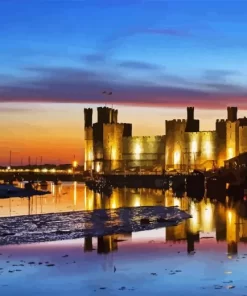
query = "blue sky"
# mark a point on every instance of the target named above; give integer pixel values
(145, 51)
(57, 57)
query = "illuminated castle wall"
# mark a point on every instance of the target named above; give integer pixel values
(144, 151)
(109, 145)
(103, 140)
(236, 134)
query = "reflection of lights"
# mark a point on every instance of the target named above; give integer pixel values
(194, 221)
(176, 157)
(52, 189)
(75, 193)
(177, 202)
(207, 216)
(229, 215)
(137, 202)
(194, 146)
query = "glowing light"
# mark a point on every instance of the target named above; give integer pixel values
(230, 153)
(75, 193)
(208, 148)
(113, 154)
(90, 156)
(53, 170)
(194, 146)
(75, 164)
(194, 221)
(176, 157)
(229, 214)
(138, 149)
(69, 171)
(44, 170)
(177, 202)
(97, 167)
(137, 202)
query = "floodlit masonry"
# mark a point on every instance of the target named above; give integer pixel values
(110, 146)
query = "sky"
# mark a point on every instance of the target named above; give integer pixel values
(156, 57)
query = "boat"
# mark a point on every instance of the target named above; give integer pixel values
(7, 191)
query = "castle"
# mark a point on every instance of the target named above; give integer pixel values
(110, 146)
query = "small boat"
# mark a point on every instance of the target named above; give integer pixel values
(7, 191)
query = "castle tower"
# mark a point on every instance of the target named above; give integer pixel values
(174, 150)
(114, 116)
(192, 124)
(190, 113)
(221, 141)
(232, 114)
(232, 133)
(88, 139)
(104, 115)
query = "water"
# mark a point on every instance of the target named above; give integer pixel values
(203, 255)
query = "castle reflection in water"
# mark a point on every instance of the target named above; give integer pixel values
(217, 221)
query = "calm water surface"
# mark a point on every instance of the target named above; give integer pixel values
(204, 255)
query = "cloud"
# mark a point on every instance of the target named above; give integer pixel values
(14, 110)
(67, 85)
(138, 65)
(219, 75)
(94, 58)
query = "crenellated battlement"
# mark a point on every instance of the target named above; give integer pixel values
(176, 121)
(221, 120)
(142, 138)
(202, 133)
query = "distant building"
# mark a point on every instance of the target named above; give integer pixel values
(110, 146)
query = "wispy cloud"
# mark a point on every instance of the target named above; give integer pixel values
(138, 65)
(219, 75)
(70, 85)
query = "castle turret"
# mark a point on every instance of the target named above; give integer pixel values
(232, 114)
(190, 113)
(192, 124)
(114, 116)
(104, 115)
(232, 133)
(88, 139)
(88, 117)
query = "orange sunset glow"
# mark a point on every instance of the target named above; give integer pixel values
(55, 131)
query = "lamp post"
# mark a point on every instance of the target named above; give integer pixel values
(74, 165)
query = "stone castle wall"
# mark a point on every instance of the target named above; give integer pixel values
(200, 149)
(175, 132)
(242, 139)
(144, 151)
(113, 146)
(88, 146)
(232, 139)
(110, 146)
